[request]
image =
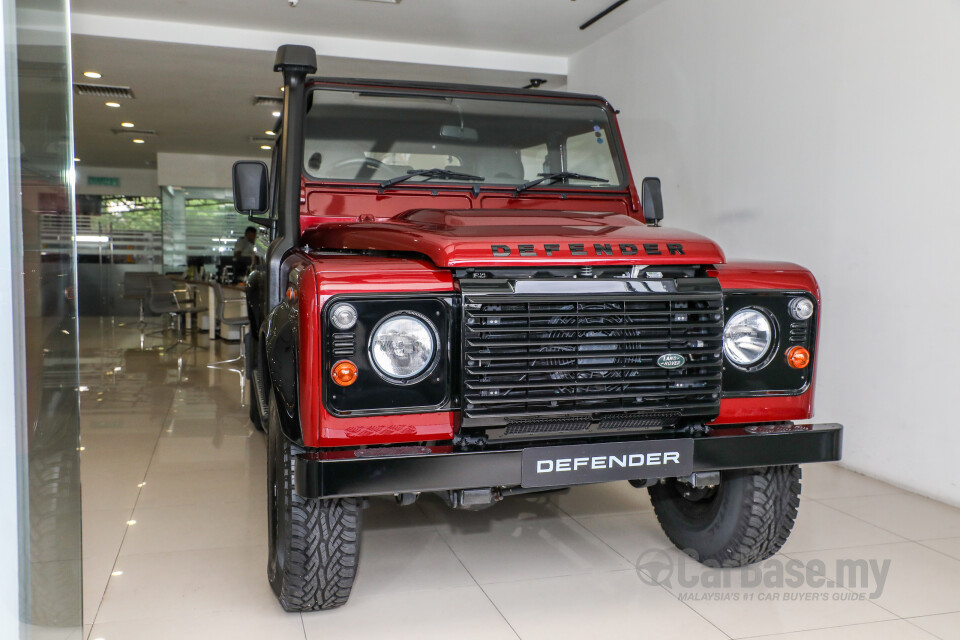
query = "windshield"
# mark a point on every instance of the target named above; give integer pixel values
(366, 136)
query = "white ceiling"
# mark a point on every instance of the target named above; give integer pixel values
(523, 26)
(199, 98)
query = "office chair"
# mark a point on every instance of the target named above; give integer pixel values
(165, 299)
(232, 321)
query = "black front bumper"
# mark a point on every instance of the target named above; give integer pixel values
(417, 469)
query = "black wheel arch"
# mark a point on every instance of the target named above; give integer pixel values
(279, 343)
(278, 360)
(255, 292)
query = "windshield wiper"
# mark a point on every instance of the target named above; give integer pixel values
(550, 178)
(441, 174)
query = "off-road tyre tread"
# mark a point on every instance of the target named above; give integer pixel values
(255, 414)
(323, 555)
(257, 393)
(321, 561)
(765, 515)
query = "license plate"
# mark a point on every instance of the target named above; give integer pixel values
(582, 464)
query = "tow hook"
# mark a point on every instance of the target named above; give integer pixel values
(469, 443)
(695, 430)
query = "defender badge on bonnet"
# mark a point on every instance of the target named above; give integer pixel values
(671, 361)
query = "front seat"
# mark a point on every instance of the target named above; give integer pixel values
(500, 165)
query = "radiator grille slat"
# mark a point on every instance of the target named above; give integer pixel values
(637, 382)
(535, 356)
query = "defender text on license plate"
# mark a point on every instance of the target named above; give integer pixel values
(581, 464)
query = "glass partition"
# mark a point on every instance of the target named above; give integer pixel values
(174, 232)
(115, 234)
(200, 225)
(45, 313)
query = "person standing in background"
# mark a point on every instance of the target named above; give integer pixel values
(246, 245)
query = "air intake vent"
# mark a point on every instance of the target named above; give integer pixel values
(343, 345)
(103, 91)
(263, 139)
(136, 132)
(267, 101)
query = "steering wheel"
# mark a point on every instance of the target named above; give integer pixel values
(371, 163)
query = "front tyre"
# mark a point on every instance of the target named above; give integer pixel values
(255, 412)
(314, 544)
(743, 520)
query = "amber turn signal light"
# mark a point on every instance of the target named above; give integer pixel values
(798, 357)
(344, 373)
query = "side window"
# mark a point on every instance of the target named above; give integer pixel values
(534, 161)
(589, 153)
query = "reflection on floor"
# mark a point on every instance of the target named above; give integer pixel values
(175, 540)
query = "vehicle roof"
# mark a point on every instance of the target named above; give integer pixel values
(450, 86)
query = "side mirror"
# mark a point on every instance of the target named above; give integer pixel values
(651, 201)
(251, 187)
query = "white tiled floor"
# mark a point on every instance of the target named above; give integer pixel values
(175, 540)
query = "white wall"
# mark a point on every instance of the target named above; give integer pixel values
(133, 182)
(174, 169)
(196, 170)
(826, 133)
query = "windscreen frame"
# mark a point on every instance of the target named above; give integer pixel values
(495, 94)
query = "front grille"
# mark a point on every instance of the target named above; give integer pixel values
(584, 426)
(652, 420)
(527, 427)
(532, 350)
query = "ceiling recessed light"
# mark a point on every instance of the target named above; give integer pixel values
(138, 141)
(283, 88)
(76, 159)
(117, 573)
(112, 105)
(276, 114)
(270, 133)
(131, 522)
(128, 125)
(266, 147)
(92, 74)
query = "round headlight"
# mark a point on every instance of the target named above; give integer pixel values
(402, 346)
(343, 316)
(800, 308)
(747, 337)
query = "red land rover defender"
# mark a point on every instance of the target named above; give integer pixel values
(466, 293)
